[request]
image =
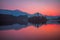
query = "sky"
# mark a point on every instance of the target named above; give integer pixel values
(45, 7)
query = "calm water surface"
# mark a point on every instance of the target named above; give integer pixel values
(32, 32)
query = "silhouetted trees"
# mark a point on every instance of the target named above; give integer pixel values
(6, 19)
(58, 18)
(22, 19)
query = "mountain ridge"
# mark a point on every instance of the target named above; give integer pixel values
(13, 12)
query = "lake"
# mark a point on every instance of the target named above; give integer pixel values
(50, 30)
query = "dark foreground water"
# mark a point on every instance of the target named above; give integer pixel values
(50, 30)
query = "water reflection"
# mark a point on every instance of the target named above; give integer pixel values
(19, 26)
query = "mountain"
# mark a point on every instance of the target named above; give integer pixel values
(13, 12)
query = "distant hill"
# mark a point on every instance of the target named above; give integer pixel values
(13, 12)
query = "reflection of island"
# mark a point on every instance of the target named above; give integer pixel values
(15, 19)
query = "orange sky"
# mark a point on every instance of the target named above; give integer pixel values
(46, 7)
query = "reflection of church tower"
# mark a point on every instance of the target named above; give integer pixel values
(37, 19)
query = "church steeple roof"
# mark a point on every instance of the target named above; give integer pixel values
(38, 14)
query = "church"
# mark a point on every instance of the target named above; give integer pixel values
(37, 19)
